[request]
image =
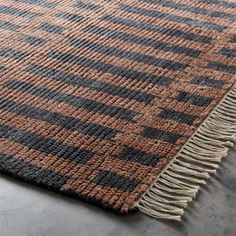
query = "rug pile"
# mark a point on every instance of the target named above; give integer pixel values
(127, 104)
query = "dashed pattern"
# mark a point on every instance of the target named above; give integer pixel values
(96, 97)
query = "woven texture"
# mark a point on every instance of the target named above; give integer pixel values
(96, 97)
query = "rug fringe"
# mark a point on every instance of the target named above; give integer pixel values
(180, 181)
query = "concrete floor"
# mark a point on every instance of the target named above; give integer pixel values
(26, 210)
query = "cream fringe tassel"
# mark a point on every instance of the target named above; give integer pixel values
(180, 181)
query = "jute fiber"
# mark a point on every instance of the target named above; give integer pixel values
(129, 104)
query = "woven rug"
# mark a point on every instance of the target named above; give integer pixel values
(129, 104)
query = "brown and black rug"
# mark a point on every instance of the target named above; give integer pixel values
(129, 104)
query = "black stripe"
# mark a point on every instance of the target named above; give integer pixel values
(156, 44)
(220, 3)
(72, 79)
(138, 156)
(153, 133)
(66, 122)
(171, 17)
(41, 3)
(51, 28)
(31, 172)
(86, 5)
(8, 26)
(233, 39)
(2, 68)
(206, 81)
(146, 59)
(45, 145)
(109, 68)
(113, 180)
(229, 52)
(159, 29)
(75, 101)
(70, 17)
(33, 40)
(8, 52)
(193, 99)
(196, 10)
(177, 116)
(18, 12)
(221, 67)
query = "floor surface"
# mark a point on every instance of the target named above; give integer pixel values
(27, 210)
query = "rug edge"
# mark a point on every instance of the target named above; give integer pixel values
(178, 184)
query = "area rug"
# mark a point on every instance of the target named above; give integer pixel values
(128, 104)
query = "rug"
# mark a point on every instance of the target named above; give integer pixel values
(127, 104)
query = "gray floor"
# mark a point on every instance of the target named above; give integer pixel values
(26, 210)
